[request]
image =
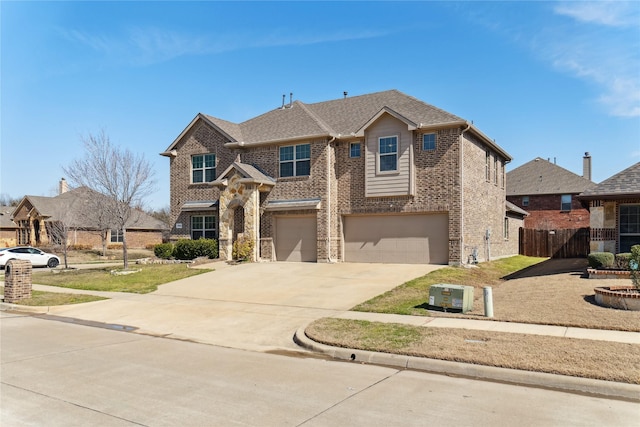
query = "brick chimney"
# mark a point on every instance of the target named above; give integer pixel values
(586, 166)
(63, 187)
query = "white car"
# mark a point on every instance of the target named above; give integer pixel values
(37, 257)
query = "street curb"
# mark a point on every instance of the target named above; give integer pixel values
(600, 388)
(5, 306)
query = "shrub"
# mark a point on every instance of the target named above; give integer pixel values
(163, 250)
(601, 260)
(187, 249)
(634, 264)
(243, 248)
(622, 261)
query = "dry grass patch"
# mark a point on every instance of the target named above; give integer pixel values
(45, 299)
(525, 290)
(565, 356)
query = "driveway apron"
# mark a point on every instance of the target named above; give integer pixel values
(254, 306)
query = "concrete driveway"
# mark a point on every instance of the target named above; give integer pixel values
(254, 306)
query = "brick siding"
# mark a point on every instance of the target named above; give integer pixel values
(545, 214)
(339, 182)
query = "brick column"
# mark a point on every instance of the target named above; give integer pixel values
(17, 280)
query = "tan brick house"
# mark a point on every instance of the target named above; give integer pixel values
(79, 210)
(615, 211)
(549, 193)
(382, 177)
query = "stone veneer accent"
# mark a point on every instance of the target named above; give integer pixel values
(17, 280)
(239, 195)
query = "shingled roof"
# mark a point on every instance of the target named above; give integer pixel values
(540, 176)
(622, 184)
(70, 203)
(5, 217)
(339, 118)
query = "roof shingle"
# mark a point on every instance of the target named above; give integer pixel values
(540, 176)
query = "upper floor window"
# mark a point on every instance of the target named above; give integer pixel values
(388, 154)
(116, 236)
(565, 202)
(429, 141)
(203, 168)
(203, 226)
(525, 201)
(495, 170)
(354, 149)
(295, 160)
(487, 166)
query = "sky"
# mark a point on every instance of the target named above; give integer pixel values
(544, 79)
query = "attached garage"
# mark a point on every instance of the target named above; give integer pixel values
(295, 238)
(407, 239)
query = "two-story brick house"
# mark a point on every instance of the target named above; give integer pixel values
(382, 177)
(549, 193)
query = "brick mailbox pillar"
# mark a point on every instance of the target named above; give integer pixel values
(17, 280)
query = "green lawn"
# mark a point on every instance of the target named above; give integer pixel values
(410, 296)
(40, 299)
(101, 279)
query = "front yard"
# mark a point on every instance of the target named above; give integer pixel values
(526, 290)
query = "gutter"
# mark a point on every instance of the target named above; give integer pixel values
(242, 144)
(329, 198)
(462, 191)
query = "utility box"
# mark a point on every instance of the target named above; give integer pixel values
(454, 297)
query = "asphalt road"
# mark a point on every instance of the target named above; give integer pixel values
(56, 373)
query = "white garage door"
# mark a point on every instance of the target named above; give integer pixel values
(409, 239)
(296, 238)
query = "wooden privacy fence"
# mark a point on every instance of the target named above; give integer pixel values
(564, 243)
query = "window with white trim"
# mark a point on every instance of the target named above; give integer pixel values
(565, 202)
(505, 231)
(629, 227)
(429, 141)
(388, 154)
(116, 236)
(487, 166)
(354, 149)
(295, 160)
(203, 227)
(203, 168)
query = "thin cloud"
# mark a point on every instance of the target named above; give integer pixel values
(609, 13)
(600, 47)
(148, 46)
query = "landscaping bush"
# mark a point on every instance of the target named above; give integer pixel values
(622, 261)
(243, 248)
(163, 250)
(601, 260)
(187, 249)
(634, 265)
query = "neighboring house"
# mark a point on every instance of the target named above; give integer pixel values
(79, 211)
(8, 228)
(615, 212)
(548, 193)
(381, 177)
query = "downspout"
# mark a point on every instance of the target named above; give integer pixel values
(329, 198)
(462, 192)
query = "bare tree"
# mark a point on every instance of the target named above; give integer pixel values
(126, 179)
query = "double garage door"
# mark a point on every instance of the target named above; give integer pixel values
(407, 239)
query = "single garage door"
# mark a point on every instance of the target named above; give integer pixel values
(408, 239)
(296, 238)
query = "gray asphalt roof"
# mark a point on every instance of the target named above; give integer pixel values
(5, 217)
(623, 183)
(540, 176)
(71, 204)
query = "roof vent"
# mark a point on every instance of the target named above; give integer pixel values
(345, 93)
